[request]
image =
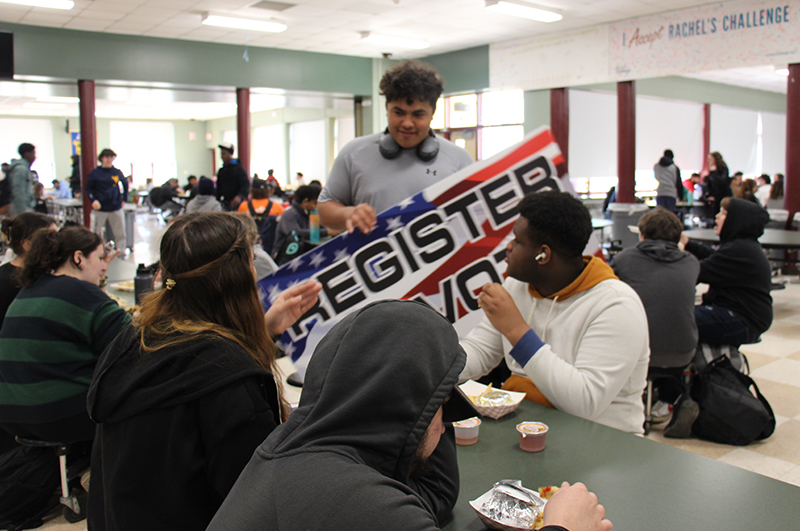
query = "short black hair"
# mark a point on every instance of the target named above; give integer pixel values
(306, 192)
(766, 178)
(106, 153)
(557, 219)
(25, 148)
(412, 80)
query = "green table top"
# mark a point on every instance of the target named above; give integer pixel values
(644, 485)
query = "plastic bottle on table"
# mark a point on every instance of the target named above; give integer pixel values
(313, 222)
(142, 283)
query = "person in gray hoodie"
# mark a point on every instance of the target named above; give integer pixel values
(205, 200)
(21, 179)
(369, 446)
(664, 277)
(669, 180)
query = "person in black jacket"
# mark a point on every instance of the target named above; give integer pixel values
(717, 184)
(233, 184)
(379, 454)
(737, 308)
(183, 398)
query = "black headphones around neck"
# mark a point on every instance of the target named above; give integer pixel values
(426, 150)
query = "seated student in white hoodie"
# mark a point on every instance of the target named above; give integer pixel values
(573, 335)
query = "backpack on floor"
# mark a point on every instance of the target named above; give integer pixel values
(729, 412)
(29, 486)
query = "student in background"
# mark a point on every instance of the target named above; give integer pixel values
(205, 200)
(296, 217)
(19, 232)
(108, 190)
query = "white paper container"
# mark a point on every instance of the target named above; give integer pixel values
(473, 388)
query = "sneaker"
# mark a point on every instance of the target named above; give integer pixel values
(680, 427)
(661, 412)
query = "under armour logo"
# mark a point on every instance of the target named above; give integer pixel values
(428, 171)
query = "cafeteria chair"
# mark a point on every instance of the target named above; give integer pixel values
(74, 502)
(655, 373)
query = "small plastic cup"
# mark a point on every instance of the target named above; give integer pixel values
(531, 436)
(467, 431)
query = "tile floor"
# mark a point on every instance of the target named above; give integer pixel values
(774, 362)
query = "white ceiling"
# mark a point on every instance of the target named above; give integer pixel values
(334, 26)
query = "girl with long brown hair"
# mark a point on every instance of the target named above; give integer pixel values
(183, 398)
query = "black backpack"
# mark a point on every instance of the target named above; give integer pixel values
(267, 228)
(29, 486)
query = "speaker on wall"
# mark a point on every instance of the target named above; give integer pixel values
(6, 55)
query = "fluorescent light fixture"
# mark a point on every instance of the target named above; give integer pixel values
(782, 71)
(58, 99)
(398, 42)
(52, 4)
(521, 9)
(50, 106)
(244, 23)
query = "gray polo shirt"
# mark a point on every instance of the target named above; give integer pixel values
(361, 174)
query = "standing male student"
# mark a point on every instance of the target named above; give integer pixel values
(107, 188)
(376, 172)
(233, 184)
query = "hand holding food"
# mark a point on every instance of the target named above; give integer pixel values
(575, 508)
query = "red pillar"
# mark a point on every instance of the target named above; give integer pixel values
(791, 183)
(88, 142)
(559, 124)
(706, 137)
(243, 127)
(626, 141)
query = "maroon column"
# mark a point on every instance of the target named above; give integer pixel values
(559, 123)
(88, 142)
(791, 183)
(243, 127)
(626, 141)
(706, 137)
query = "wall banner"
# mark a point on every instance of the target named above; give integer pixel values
(439, 246)
(712, 37)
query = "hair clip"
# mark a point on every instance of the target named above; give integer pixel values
(170, 283)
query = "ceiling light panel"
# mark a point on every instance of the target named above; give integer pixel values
(244, 24)
(51, 4)
(521, 9)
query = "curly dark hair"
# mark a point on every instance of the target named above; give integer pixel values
(559, 220)
(413, 80)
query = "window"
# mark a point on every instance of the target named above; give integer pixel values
(144, 150)
(484, 124)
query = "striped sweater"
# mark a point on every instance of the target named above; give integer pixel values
(52, 337)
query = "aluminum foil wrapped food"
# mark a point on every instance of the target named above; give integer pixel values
(512, 506)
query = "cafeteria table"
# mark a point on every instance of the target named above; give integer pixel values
(771, 239)
(644, 485)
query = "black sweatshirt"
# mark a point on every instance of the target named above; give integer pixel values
(343, 460)
(175, 428)
(738, 273)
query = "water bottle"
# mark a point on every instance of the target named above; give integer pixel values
(313, 222)
(142, 283)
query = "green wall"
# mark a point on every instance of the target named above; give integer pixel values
(463, 70)
(70, 54)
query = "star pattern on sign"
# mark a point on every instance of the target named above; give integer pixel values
(274, 293)
(405, 203)
(295, 264)
(317, 260)
(394, 223)
(289, 349)
(340, 254)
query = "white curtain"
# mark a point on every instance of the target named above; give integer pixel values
(268, 152)
(734, 133)
(592, 134)
(773, 137)
(675, 125)
(36, 131)
(307, 150)
(144, 150)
